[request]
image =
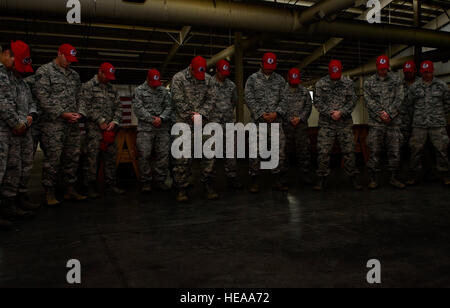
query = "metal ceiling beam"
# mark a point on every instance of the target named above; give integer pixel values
(436, 24)
(315, 12)
(175, 47)
(333, 42)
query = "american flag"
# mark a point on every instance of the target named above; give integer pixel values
(126, 111)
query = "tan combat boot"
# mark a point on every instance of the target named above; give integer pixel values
(210, 192)
(72, 194)
(50, 199)
(182, 196)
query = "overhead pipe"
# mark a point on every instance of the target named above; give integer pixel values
(229, 14)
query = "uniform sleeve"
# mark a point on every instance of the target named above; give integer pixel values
(117, 109)
(84, 99)
(32, 106)
(178, 100)
(282, 102)
(395, 108)
(307, 108)
(372, 105)
(138, 108)
(207, 108)
(8, 111)
(447, 100)
(320, 101)
(250, 99)
(43, 93)
(167, 101)
(351, 100)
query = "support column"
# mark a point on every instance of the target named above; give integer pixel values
(239, 75)
(417, 5)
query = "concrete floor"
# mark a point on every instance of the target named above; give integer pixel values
(299, 239)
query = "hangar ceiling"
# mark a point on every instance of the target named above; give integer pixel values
(135, 48)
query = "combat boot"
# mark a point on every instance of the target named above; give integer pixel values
(72, 194)
(355, 183)
(413, 179)
(146, 188)
(92, 191)
(9, 210)
(210, 192)
(395, 182)
(50, 199)
(5, 225)
(24, 202)
(374, 181)
(320, 184)
(279, 183)
(254, 186)
(182, 196)
(233, 183)
(113, 189)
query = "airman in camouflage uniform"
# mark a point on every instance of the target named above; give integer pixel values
(153, 109)
(335, 99)
(100, 105)
(20, 157)
(429, 100)
(384, 95)
(10, 124)
(409, 71)
(299, 107)
(58, 89)
(264, 95)
(189, 97)
(223, 96)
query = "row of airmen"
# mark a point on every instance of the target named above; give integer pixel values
(48, 106)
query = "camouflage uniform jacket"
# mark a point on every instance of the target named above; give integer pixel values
(100, 103)
(332, 95)
(223, 96)
(298, 103)
(387, 95)
(9, 116)
(57, 90)
(31, 82)
(190, 95)
(429, 104)
(265, 95)
(405, 112)
(149, 103)
(26, 106)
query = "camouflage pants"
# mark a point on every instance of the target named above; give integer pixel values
(439, 139)
(391, 138)
(182, 170)
(61, 146)
(36, 133)
(406, 133)
(157, 143)
(5, 141)
(297, 140)
(20, 165)
(94, 154)
(256, 162)
(230, 164)
(325, 142)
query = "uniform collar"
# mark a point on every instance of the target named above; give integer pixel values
(388, 77)
(260, 72)
(64, 71)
